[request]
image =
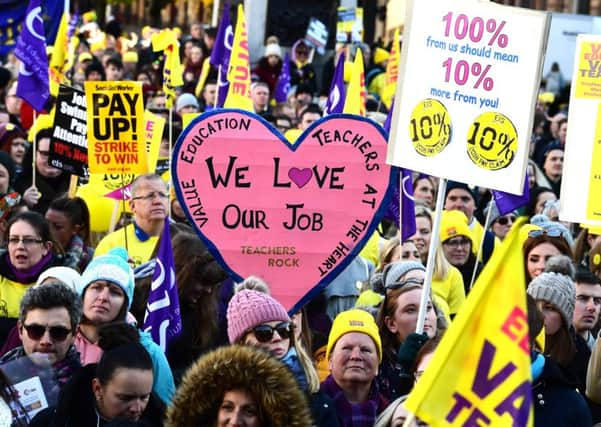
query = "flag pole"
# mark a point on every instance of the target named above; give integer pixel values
(409, 420)
(401, 186)
(35, 149)
(434, 241)
(217, 91)
(481, 245)
(170, 155)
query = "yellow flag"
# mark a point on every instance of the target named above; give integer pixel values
(392, 70)
(480, 373)
(59, 56)
(173, 71)
(238, 74)
(204, 73)
(356, 93)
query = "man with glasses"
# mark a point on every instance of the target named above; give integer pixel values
(457, 242)
(149, 204)
(48, 318)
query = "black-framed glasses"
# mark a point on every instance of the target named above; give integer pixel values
(462, 241)
(551, 233)
(264, 333)
(27, 241)
(151, 196)
(410, 281)
(57, 333)
(504, 220)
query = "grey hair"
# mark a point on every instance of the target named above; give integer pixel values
(52, 295)
(144, 177)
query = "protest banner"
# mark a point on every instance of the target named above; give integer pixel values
(581, 177)
(69, 143)
(293, 215)
(349, 28)
(116, 127)
(317, 35)
(470, 73)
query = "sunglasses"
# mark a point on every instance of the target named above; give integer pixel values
(550, 233)
(264, 333)
(411, 281)
(504, 220)
(57, 333)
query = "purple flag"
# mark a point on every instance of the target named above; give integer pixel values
(220, 55)
(31, 50)
(162, 319)
(408, 204)
(507, 202)
(283, 86)
(335, 103)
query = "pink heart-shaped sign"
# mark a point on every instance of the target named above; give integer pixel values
(294, 215)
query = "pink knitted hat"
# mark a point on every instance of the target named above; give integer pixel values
(248, 309)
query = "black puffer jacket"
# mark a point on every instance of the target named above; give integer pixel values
(77, 407)
(201, 391)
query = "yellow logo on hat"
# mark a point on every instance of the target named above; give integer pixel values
(356, 323)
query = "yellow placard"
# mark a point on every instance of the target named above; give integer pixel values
(187, 118)
(588, 84)
(593, 205)
(153, 133)
(116, 127)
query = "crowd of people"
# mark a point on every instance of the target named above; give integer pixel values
(72, 303)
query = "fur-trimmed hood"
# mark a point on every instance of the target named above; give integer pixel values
(268, 380)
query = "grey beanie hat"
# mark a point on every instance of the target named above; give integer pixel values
(395, 270)
(557, 289)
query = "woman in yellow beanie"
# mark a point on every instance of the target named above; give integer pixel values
(354, 352)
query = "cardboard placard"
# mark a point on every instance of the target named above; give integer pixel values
(293, 215)
(116, 142)
(69, 142)
(469, 77)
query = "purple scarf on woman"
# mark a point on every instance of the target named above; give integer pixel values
(31, 274)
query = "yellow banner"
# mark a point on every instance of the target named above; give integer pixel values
(588, 85)
(238, 74)
(392, 70)
(154, 126)
(116, 142)
(593, 206)
(480, 372)
(356, 93)
(187, 119)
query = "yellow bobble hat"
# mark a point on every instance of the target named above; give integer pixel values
(380, 55)
(354, 320)
(454, 223)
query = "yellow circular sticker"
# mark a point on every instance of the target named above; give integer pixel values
(492, 141)
(430, 127)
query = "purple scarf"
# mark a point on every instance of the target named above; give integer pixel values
(32, 273)
(354, 414)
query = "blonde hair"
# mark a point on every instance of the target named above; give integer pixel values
(441, 265)
(253, 283)
(308, 365)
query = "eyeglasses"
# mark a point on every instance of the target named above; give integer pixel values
(551, 233)
(151, 196)
(504, 220)
(264, 333)
(455, 243)
(410, 281)
(57, 333)
(27, 241)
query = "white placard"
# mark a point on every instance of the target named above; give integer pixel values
(468, 81)
(581, 179)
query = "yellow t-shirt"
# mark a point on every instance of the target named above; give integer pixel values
(12, 293)
(140, 252)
